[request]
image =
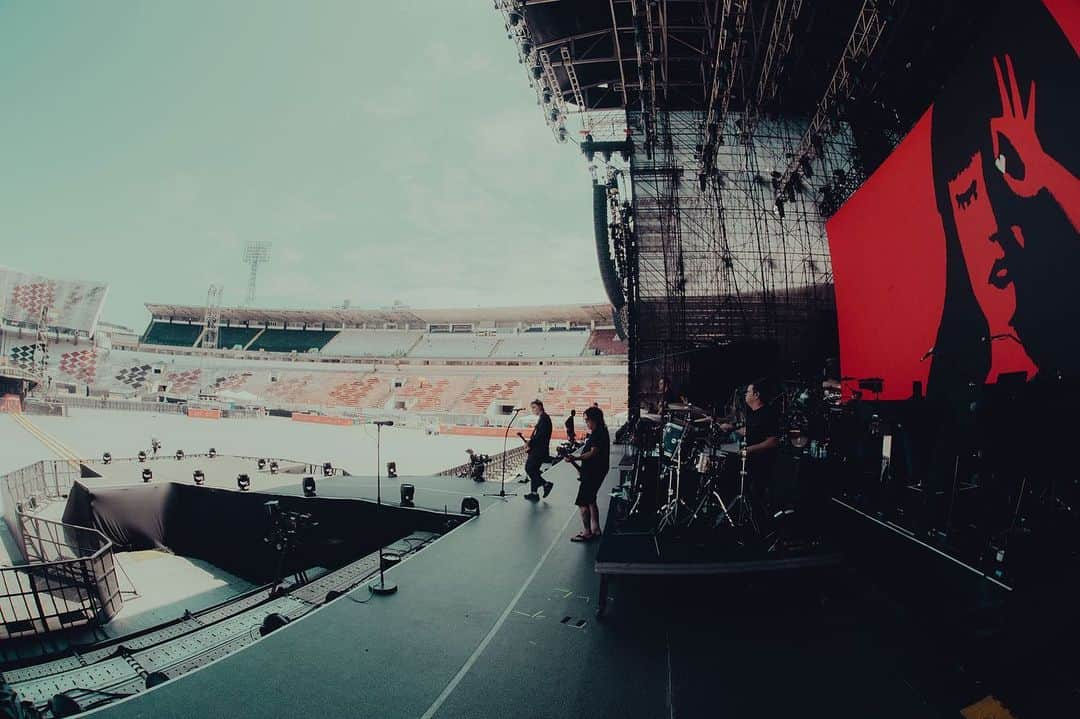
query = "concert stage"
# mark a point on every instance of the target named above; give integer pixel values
(496, 619)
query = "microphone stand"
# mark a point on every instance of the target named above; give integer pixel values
(382, 588)
(501, 494)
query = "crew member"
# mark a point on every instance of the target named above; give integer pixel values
(761, 434)
(570, 435)
(592, 466)
(539, 444)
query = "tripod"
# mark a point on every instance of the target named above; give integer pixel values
(502, 493)
(740, 513)
(382, 587)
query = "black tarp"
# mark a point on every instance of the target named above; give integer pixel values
(227, 528)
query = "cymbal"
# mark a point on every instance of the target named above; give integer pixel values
(654, 418)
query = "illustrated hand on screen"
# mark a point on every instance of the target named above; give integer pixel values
(1017, 125)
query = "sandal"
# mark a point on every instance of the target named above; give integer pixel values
(581, 537)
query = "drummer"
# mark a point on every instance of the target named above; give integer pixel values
(761, 433)
(665, 395)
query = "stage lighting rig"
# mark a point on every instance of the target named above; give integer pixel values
(198, 477)
(327, 469)
(147, 475)
(142, 456)
(106, 458)
(308, 486)
(273, 467)
(212, 453)
(260, 463)
(179, 454)
(243, 481)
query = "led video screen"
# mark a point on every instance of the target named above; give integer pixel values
(958, 260)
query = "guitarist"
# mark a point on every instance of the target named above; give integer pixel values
(539, 444)
(592, 465)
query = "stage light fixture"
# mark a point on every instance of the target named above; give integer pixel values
(179, 454)
(212, 453)
(155, 678)
(61, 705)
(391, 470)
(273, 467)
(308, 486)
(408, 491)
(147, 475)
(261, 463)
(106, 458)
(243, 482)
(142, 456)
(327, 469)
(271, 623)
(515, 17)
(537, 72)
(199, 477)
(470, 507)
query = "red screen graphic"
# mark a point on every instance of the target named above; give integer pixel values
(1010, 229)
(889, 267)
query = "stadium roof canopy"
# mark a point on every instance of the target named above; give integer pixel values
(352, 317)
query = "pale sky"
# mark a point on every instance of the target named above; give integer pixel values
(388, 150)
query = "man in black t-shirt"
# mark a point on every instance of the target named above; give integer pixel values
(593, 466)
(571, 435)
(761, 433)
(539, 444)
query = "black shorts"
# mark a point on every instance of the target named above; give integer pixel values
(587, 489)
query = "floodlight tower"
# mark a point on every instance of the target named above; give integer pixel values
(255, 253)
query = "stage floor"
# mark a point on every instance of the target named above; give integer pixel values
(497, 619)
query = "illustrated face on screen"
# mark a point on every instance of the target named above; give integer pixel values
(983, 245)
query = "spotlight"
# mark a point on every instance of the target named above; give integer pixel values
(546, 96)
(526, 48)
(179, 454)
(327, 469)
(212, 453)
(243, 482)
(142, 456)
(199, 477)
(391, 470)
(308, 485)
(407, 493)
(470, 507)
(61, 705)
(155, 678)
(271, 623)
(261, 463)
(515, 17)
(537, 72)
(147, 475)
(106, 458)
(273, 467)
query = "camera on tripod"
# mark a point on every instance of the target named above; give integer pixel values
(287, 528)
(477, 464)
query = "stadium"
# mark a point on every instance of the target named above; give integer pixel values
(809, 455)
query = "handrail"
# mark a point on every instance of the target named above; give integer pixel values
(45, 595)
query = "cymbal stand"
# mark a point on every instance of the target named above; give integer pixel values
(740, 513)
(669, 513)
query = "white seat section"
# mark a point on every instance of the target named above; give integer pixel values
(371, 343)
(541, 344)
(454, 345)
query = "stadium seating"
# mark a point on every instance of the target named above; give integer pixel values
(432, 394)
(172, 335)
(605, 342)
(454, 346)
(233, 337)
(278, 340)
(371, 343)
(541, 344)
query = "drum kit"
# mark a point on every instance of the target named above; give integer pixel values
(692, 454)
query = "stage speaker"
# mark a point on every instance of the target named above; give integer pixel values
(408, 491)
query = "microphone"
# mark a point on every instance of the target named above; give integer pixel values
(519, 409)
(384, 422)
